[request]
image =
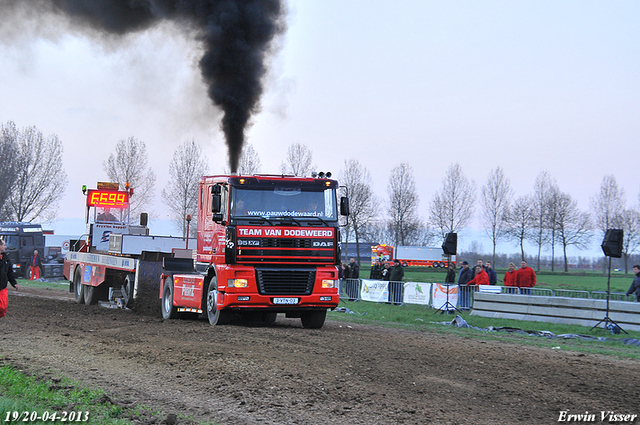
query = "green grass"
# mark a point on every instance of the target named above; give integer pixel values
(22, 393)
(62, 285)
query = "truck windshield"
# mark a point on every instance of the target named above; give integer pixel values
(284, 202)
(12, 241)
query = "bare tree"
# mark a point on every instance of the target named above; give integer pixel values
(496, 194)
(452, 207)
(8, 151)
(631, 228)
(551, 221)
(181, 194)
(378, 231)
(607, 205)
(572, 225)
(543, 195)
(130, 165)
(40, 178)
(362, 202)
(298, 160)
(520, 222)
(403, 205)
(249, 161)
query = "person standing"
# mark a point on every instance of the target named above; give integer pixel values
(480, 263)
(525, 278)
(510, 278)
(353, 280)
(385, 273)
(6, 275)
(451, 274)
(36, 264)
(354, 269)
(493, 276)
(395, 282)
(635, 285)
(463, 280)
(481, 277)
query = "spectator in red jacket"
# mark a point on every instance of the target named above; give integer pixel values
(525, 278)
(481, 278)
(510, 277)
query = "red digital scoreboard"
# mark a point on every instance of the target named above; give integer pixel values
(107, 198)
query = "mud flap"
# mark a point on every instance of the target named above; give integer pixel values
(147, 282)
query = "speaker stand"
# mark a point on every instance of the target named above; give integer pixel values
(607, 322)
(445, 307)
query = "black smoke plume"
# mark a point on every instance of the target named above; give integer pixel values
(237, 37)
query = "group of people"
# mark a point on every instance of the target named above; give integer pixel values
(524, 278)
(384, 270)
(481, 274)
(7, 276)
(381, 270)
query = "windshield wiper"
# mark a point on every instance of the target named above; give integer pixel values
(293, 220)
(254, 219)
(318, 218)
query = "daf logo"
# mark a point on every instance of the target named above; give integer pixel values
(248, 242)
(322, 244)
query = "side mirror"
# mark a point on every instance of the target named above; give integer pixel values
(216, 203)
(344, 206)
(217, 217)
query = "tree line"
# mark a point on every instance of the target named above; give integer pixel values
(547, 217)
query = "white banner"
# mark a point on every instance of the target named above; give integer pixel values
(439, 296)
(490, 288)
(417, 293)
(374, 290)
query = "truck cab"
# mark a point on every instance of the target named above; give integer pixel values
(266, 245)
(21, 239)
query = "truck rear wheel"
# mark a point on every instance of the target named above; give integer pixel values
(169, 311)
(313, 319)
(127, 287)
(215, 316)
(91, 294)
(78, 288)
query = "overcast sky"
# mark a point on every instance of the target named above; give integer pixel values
(528, 86)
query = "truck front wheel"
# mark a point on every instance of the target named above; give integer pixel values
(169, 311)
(216, 317)
(313, 319)
(78, 288)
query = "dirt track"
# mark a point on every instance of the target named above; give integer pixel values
(284, 374)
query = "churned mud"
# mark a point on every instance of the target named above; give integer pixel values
(284, 374)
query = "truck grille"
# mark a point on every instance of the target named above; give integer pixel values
(281, 250)
(276, 281)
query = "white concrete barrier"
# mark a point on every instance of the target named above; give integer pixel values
(574, 311)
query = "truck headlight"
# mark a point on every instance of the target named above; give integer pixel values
(237, 283)
(329, 283)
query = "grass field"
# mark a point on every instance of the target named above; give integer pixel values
(25, 398)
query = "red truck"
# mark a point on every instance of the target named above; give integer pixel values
(422, 256)
(267, 244)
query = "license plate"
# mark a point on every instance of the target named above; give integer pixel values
(285, 300)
